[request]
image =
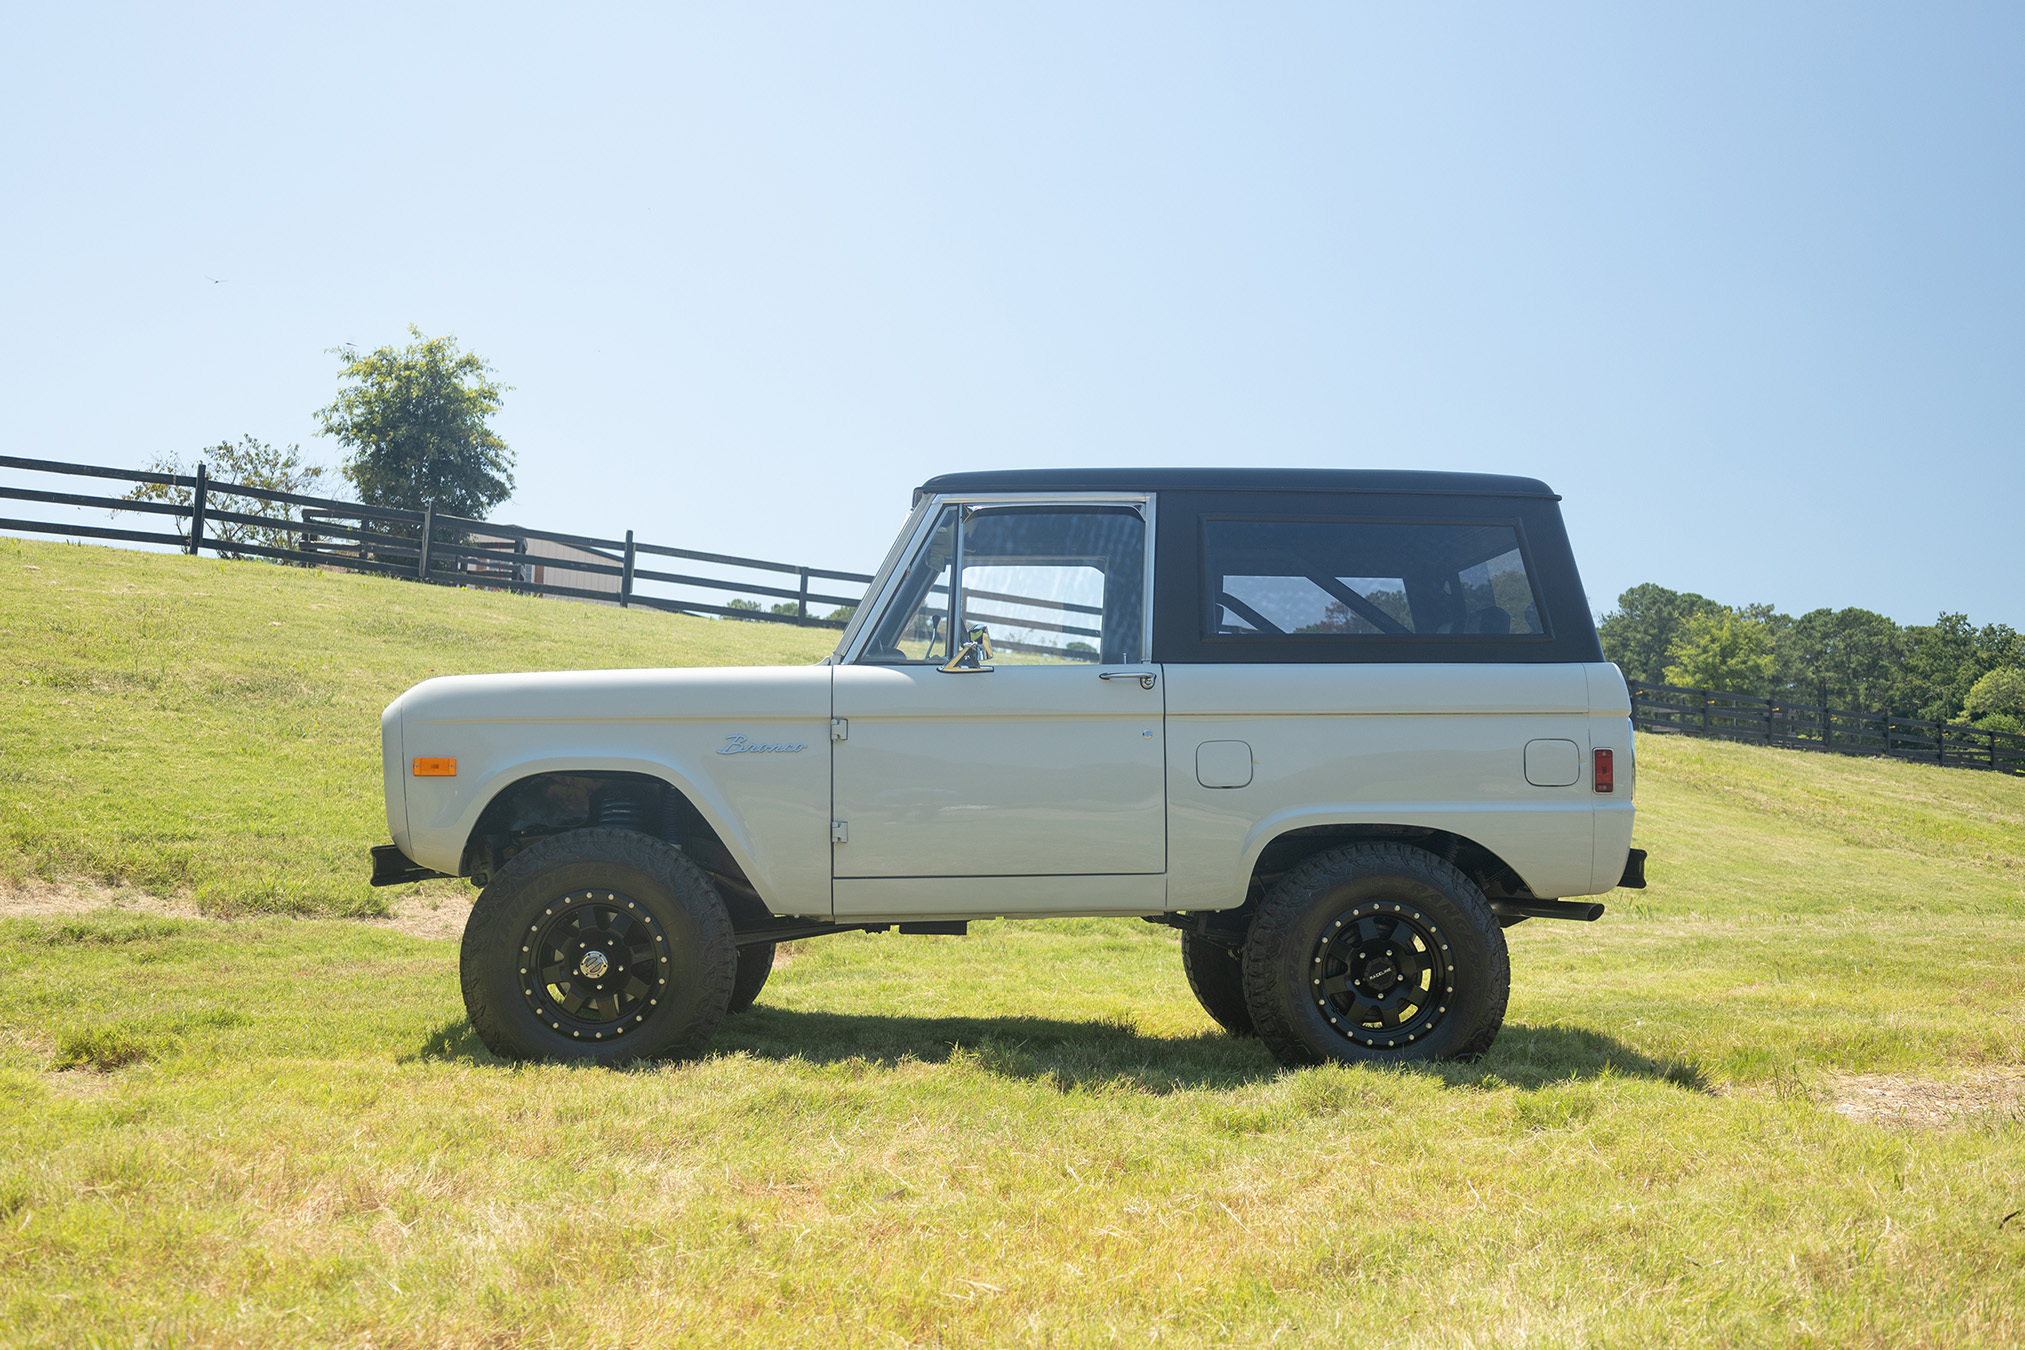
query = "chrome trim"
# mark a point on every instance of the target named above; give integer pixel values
(930, 510)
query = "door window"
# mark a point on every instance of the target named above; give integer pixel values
(1051, 584)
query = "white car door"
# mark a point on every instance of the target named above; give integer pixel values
(1039, 762)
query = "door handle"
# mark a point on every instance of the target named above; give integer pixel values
(1145, 677)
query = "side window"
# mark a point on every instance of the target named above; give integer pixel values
(1349, 578)
(1056, 584)
(1052, 584)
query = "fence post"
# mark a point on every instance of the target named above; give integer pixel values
(197, 504)
(308, 537)
(802, 600)
(520, 577)
(626, 581)
(428, 528)
(1707, 704)
(1941, 743)
(1827, 726)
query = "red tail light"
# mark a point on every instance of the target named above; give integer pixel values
(1606, 771)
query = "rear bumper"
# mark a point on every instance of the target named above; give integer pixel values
(391, 867)
(1634, 870)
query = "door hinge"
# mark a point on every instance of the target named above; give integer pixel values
(840, 729)
(840, 832)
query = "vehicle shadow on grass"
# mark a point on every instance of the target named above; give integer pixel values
(1098, 1053)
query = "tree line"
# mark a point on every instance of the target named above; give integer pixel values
(1949, 670)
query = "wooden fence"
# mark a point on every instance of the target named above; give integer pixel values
(1807, 726)
(443, 549)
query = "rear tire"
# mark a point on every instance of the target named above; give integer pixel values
(601, 945)
(1376, 953)
(755, 963)
(1217, 975)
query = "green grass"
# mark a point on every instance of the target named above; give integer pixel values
(210, 729)
(273, 1129)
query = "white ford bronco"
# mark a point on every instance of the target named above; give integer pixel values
(1340, 728)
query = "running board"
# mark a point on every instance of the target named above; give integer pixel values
(1583, 911)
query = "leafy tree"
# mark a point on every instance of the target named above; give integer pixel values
(1996, 702)
(414, 423)
(1723, 650)
(252, 464)
(1944, 660)
(1640, 633)
(1843, 658)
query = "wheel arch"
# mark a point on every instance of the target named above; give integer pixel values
(1274, 853)
(535, 803)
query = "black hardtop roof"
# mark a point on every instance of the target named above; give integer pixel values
(1418, 481)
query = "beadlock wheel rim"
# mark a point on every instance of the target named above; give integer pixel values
(593, 965)
(1382, 975)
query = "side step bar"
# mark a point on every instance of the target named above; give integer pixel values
(1584, 911)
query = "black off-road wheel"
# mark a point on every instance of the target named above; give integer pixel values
(602, 945)
(1217, 975)
(1376, 953)
(755, 963)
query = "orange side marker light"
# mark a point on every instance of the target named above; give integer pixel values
(435, 768)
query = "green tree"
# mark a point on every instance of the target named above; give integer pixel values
(1844, 658)
(1639, 634)
(250, 463)
(1996, 702)
(414, 423)
(1944, 660)
(1723, 650)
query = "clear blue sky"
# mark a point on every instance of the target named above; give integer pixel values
(1745, 283)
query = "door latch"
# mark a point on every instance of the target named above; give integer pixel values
(1145, 677)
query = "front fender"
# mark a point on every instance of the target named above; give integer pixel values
(771, 808)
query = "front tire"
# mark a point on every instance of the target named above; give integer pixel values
(600, 945)
(1376, 953)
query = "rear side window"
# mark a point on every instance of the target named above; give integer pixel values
(1347, 579)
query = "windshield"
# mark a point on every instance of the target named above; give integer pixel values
(878, 582)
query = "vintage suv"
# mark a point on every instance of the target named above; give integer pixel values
(1338, 727)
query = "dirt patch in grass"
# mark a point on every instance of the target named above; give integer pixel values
(422, 915)
(36, 899)
(1922, 1103)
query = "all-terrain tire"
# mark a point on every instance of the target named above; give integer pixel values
(1376, 953)
(1217, 975)
(602, 945)
(755, 963)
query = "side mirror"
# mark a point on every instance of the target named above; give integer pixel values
(970, 658)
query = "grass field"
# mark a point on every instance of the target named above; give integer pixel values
(275, 1127)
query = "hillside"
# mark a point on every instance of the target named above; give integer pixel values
(210, 729)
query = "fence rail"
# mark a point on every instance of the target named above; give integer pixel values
(1809, 726)
(434, 547)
